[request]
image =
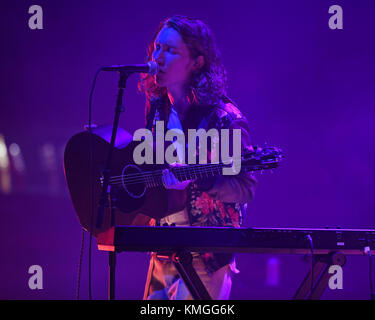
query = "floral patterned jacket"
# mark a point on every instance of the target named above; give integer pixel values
(222, 201)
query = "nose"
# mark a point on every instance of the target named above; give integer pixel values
(158, 56)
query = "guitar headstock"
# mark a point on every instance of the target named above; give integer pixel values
(262, 158)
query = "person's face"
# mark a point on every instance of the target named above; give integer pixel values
(172, 56)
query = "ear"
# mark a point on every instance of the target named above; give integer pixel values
(199, 63)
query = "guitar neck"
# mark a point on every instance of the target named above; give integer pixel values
(265, 159)
(189, 172)
(192, 172)
(199, 171)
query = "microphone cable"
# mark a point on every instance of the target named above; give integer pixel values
(91, 167)
(91, 199)
(312, 263)
(372, 296)
(80, 265)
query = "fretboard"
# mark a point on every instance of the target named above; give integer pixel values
(198, 171)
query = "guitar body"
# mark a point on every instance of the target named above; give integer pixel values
(136, 205)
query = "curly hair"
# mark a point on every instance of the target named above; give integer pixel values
(208, 84)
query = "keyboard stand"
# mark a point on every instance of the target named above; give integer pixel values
(321, 276)
(183, 263)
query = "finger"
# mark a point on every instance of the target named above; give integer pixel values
(177, 164)
(166, 175)
(165, 178)
(185, 184)
(174, 180)
(163, 181)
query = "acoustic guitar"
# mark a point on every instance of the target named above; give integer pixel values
(140, 193)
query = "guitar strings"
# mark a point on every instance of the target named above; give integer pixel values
(178, 170)
(199, 168)
(190, 167)
(142, 178)
(154, 181)
(181, 171)
(193, 165)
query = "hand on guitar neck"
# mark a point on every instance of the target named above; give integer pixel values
(171, 182)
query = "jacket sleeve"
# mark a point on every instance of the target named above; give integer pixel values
(238, 188)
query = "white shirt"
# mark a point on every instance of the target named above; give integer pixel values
(179, 218)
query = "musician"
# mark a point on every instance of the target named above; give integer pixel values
(189, 92)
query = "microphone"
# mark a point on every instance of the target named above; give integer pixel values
(150, 67)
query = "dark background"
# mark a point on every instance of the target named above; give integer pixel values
(303, 87)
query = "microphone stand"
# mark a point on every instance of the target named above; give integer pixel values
(107, 190)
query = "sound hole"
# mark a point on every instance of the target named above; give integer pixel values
(133, 181)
